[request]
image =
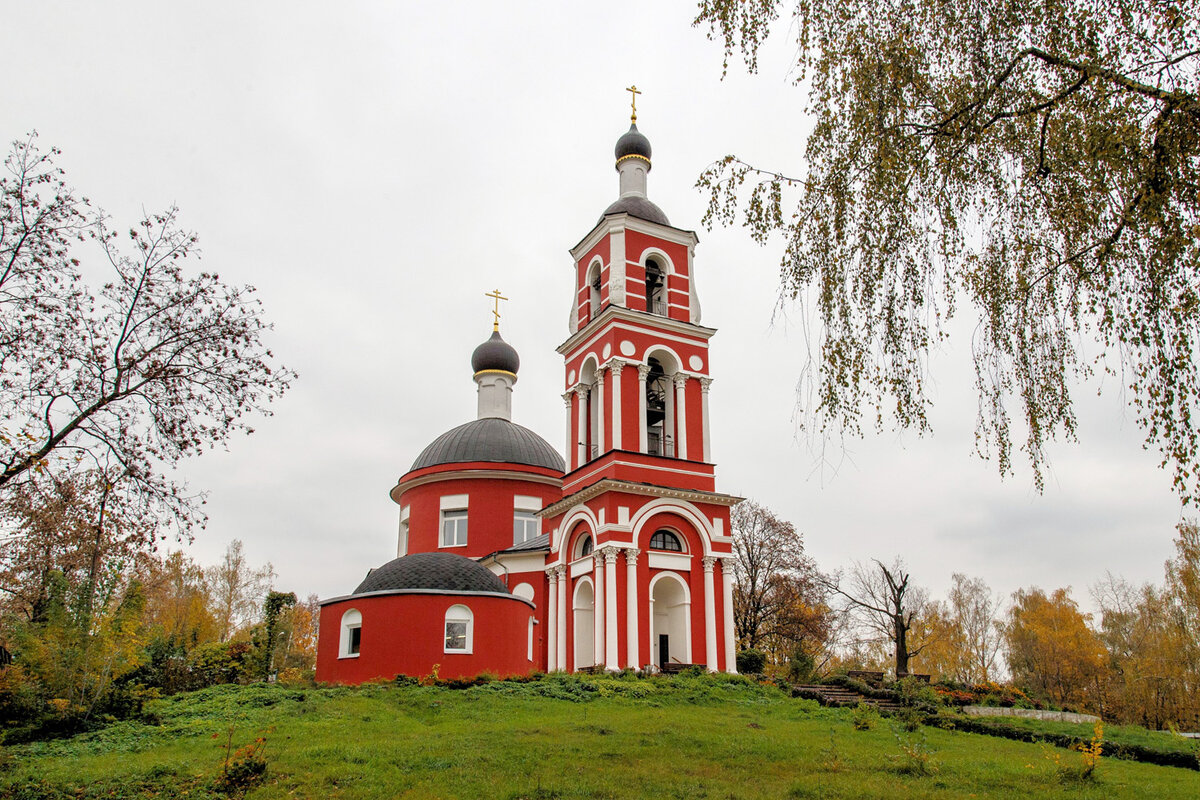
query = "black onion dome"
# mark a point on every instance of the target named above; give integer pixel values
(633, 143)
(638, 207)
(443, 571)
(495, 353)
(490, 439)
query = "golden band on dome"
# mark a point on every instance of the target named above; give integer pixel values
(496, 372)
(633, 155)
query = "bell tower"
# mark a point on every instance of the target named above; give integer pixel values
(639, 467)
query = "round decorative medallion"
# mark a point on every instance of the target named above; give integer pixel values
(607, 351)
(571, 377)
(627, 348)
(696, 362)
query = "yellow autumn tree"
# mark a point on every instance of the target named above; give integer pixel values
(1052, 650)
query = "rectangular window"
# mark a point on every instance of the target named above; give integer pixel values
(355, 643)
(454, 527)
(525, 526)
(456, 636)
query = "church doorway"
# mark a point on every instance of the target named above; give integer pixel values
(670, 615)
(584, 607)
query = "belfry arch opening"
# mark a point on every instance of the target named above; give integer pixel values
(593, 286)
(656, 287)
(660, 409)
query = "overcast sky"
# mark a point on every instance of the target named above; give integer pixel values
(375, 167)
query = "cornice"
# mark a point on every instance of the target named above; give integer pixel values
(634, 317)
(459, 474)
(613, 223)
(646, 490)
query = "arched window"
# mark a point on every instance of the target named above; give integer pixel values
(656, 288)
(459, 629)
(585, 547)
(665, 540)
(350, 642)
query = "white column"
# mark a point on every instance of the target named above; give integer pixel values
(610, 609)
(631, 608)
(710, 616)
(704, 384)
(643, 371)
(598, 610)
(598, 404)
(570, 439)
(581, 418)
(552, 620)
(681, 450)
(727, 612)
(562, 616)
(616, 365)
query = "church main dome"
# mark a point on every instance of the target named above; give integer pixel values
(490, 439)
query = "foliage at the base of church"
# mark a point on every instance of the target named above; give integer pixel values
(87, 652)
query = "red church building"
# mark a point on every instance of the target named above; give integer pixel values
(512, 560)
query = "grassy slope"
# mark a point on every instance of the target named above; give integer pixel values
(691, 737)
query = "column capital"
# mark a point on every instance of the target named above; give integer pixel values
(582, 389)
(631, 555)
(567, 395)
(610, 554)
(600, 377)
(680, 379)
(704, 384)
(560, 571)
(552, 574)
(643, 371)
(708, 562)
(616, 365)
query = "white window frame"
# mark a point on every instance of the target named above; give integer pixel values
(454, 507)
(459, 615)
(402, 540)
(523, 507)
(351, 620)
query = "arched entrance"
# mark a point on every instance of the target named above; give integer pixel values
(584, 608)
(670, 620)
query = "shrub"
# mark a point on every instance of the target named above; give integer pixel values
(751, 662)
(864, 717)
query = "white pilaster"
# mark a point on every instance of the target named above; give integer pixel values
(610, 609)
(598, 617)
(616, 267)
(631, 608)
(598, 403)
(561, 572)
(570, 451)
(707, 443)
(643, 371)
(581, 419)
(552, 620)
(616, 365)
(710, 615)
(727, 613)
(681, 448)
(669, 426)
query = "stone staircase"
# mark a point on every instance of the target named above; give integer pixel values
(842, 696)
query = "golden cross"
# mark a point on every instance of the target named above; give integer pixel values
(633, 93)
(495, 294)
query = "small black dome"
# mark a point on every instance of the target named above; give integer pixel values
(633, 143)
(490, 439)
(638, 207)
(442, 571)
(495, 353)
